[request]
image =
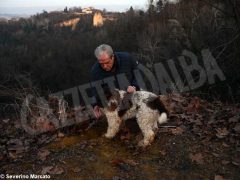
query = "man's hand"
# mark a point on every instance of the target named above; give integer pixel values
(131, 89)
(97, 112)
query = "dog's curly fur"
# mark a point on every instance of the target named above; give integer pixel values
(145, 106)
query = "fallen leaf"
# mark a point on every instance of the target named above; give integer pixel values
(117, 178)
(121, 164)
(46, 169)
(209, 110)
(224, 162)
(77, 169)
(52, 170)
(216, 155)
(172, 106)
(6, 120)
(60, 135)
(221, 133)
(42, 155)
(237, 128)
(56, 170)
(16, 148)
(178, 99)
(15, 144)
(233, 119)
(163, 152)
(18, 124)
(194, 105)
(62, 161)
(92, 158)
(236, 163)
(198, 122)
(218, 177)
(116, 162)
(197, 158)
(13, 155)
(131, 162)
(177, 131)
(225, 145)
(124, 167)
(44, 125)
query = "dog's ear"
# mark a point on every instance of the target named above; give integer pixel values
(107, 92)
(115, 91)
(116, 94)
(111, 92)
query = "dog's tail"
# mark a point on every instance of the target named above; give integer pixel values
(162, 118)
(156, 103)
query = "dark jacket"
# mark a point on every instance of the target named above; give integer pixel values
(124, 63)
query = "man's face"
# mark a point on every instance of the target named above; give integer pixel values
(106, 62)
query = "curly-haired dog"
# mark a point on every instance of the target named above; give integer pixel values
(145, 106)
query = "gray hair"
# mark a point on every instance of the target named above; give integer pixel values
(103, 48)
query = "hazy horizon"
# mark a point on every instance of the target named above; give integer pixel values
(36, 6)
(34, 10)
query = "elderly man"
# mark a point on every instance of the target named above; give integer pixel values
(110, 64)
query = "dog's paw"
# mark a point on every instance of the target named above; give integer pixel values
(143, 143)
(109, 136)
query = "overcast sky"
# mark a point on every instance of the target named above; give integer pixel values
(27, 6)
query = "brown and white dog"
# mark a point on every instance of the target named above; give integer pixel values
(145, 106)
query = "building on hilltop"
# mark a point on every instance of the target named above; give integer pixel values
(88, 10)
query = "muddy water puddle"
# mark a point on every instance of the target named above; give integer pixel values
(94, 157)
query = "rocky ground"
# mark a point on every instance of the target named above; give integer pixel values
(201, 141)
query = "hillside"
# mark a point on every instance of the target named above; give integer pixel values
(63, 18)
